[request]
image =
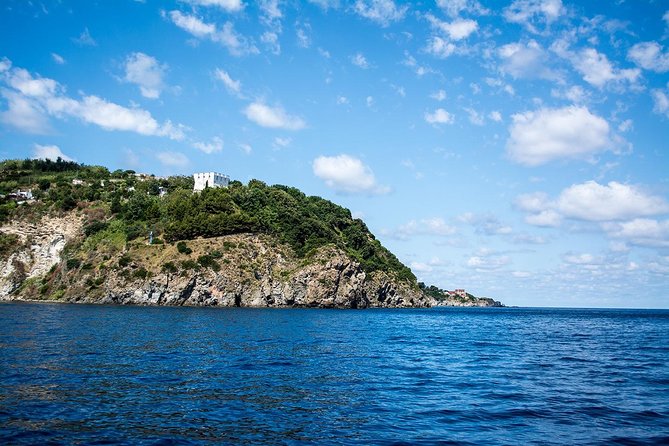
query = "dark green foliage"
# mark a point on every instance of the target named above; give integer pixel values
(95, 227)
(140, 273)
(169, 267)
(183, 248)
(124, 261)
(190, 264)
(73, 263)
(157, 241)
(304, 223)
(207, 261)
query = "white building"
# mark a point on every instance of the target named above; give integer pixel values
(209, 179)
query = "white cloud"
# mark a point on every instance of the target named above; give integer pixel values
(232, 85)
(641, 232)
(216, 145)
(228, 5)
(475, 117)
(592, 201)
(547, 218)
(172, 159)
(595, 67)
(342, 100)
(660, 101)
(303, 40)
(495, 116)
(235, 43)
(271, 40)
(526, 60)
(273, 117)
(58, 58)
(575, 94)
(280, 142)
(457, 29)
(31, 99)
(246, 148)
(486, 260)
(359, 60)
(531, 12)
(546, 135)
(347, 174)
(436, 226)
(455, 7)
(146, 72)
(421, 267)
(439, 116)
(85, 39)
(439, 95)
(439, 47)
(383, 12)
(49, 153)
(649, 56)
(369, 101)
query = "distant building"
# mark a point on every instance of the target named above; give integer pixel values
(78, 182)
(460, 292)
(209, 179)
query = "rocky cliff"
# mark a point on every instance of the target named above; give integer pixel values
(246, 270)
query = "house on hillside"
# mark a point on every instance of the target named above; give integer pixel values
(209, 179)
(460, 292)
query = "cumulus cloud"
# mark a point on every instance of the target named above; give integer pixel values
(215, 145)
(526, 60)
(172, 159)
(232, 85)
(640, 232)
(530, 13)
(359, 60)
(455, 7)
(538, 137)
(593, 202)
(228, 5)
(235, 43)
(49, 153)
(346, 174)
(32, 98)
(383, 12)
(439, 47)
(487, 260)
(146, 72)
(273, 117)
(595, 67)
(661, 101)
(435, 226)
(439, 116)
(650, 56)
(457, 29)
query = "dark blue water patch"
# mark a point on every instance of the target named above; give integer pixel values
(129, 375)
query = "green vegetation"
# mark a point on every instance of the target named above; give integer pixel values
(121, 206)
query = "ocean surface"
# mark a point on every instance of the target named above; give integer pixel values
(85, 374)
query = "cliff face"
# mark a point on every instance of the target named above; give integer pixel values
(246, 270)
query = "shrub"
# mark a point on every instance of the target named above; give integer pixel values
(183, 248)
(73, 263)
(124, 260)
(169, 267)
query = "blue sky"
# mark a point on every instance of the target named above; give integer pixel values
(514, 148)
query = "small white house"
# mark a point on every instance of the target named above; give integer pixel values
(209, 179)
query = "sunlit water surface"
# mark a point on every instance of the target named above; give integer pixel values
(106, 374)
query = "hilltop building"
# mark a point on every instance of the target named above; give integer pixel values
(209, 179)
(460, 293)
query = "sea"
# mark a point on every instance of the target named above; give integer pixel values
(92, 374)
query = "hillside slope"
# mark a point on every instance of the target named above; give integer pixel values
(89, 235)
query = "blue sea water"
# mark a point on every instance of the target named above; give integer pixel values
(84, 374)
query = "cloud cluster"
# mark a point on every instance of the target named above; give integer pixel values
(531, 13)
(227, 5)
(52, 153)
(538, 137)
(439, 116)
(445, 35)
(383, 12)
(622, 210)
(32, 99)
(146, 72)
(347, 174)
(273, 117)
(235, 43)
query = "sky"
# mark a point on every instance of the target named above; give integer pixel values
(516, 148)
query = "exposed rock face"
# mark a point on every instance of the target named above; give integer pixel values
(38, 249)
(255, 271)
